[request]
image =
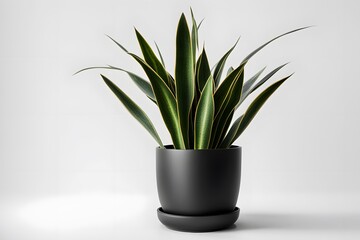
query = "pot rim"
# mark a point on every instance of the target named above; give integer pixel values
(170, 147)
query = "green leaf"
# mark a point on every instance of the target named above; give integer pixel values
(229, 71)
(152, 60)
(247, 58)
(148, 51)
(166, 103)
(225, 128)
(142, 84)
(199, 25)
(247, 86)
(261, 82)
(121, 46)
(242, 122)
(249, 83)
(194, 36)
(228, 109)
(223, 91)
(171, 80)
(202, 71)
(184, 76)
(204, 116)
(160, 55)
(267, 77)
(134, 109)
(227, 141)
(191, 126)
(221, 64)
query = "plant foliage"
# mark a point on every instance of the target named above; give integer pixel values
(197, 105)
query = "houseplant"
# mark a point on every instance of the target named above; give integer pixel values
(198, 176)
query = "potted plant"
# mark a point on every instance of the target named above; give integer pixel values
(198, 175)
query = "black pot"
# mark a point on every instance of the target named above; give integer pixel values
(198, 182)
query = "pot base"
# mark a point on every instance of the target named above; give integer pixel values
(205, 223)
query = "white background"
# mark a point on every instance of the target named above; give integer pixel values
(75, 165)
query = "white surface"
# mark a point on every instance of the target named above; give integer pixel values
(66, 143)
(111, 216)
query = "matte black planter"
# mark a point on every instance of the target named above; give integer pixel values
(197, 185)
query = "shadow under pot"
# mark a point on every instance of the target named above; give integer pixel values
(198, 189)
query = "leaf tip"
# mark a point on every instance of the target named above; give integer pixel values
(310, 26)
(200, 23)
(105, 78)
(182, 18)
(138, 35)
(281, 66)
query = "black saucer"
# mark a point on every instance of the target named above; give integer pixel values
(198, 223)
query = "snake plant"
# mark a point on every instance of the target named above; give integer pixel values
(196, 104)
